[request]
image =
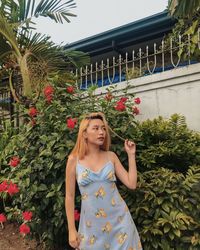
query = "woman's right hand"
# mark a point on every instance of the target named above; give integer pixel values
(74, 239)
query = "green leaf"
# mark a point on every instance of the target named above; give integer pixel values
(42, 187)
(50, 194)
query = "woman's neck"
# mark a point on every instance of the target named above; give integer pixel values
(93, 150)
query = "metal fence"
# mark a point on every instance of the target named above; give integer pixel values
(8, 112)
(169, 54)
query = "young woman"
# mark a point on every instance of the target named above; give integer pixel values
(105, 221)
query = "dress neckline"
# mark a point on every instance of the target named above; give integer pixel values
(96, 172)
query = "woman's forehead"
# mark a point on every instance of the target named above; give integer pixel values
(96, 122)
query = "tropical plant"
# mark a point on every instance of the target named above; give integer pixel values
(187, 28)
(33, 55)
(184, 8)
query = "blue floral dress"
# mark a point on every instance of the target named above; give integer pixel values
(105, 221)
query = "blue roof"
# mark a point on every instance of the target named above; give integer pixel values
(151, 27)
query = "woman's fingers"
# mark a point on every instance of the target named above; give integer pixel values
(74, 244)
(129, 143)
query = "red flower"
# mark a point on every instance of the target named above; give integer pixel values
(76, 215)
(71, 123)
(137, 100)
(24, 229)
(3, 218)
(49, 98)
(48, 90)
(27, 215)
(70, 89)
(33, 122)
(136, 110)
(13, 189)
(108, 96)
(32, 112)
(14, 161)
(120, 106)
(3, 186)
(123, 99)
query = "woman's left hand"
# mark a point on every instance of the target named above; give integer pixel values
(130, 147)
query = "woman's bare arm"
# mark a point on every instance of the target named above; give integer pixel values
(70, 185)
(129, 178)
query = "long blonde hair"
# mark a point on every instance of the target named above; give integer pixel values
(81, 148)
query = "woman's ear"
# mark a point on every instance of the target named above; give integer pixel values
(85, 135)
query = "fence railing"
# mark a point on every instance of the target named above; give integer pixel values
(169, 54)
(7, 110)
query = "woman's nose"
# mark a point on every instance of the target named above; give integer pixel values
(101, 131)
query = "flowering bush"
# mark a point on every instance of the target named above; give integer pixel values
(24, 229)
(14, 161)
(39, 152)
(48, 93)
(32, 112)
(10, 187)
(2, 219)
(70, 89)
(76, 215)
(27, 216)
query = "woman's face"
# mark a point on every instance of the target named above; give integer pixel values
(95, 132)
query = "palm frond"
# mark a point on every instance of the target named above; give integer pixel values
(183, 8)
(4, 46)
(42, 48)
(54, 10)
(22, 11)
(77, 58)
(7, 32)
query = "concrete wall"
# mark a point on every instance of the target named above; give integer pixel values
(173, 91)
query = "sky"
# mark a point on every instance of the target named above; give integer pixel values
(96, 16)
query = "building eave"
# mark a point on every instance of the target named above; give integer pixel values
(138, 31)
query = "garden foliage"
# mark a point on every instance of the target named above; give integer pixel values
(165, 206)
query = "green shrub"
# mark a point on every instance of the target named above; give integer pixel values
(166, 209)
(167, 143)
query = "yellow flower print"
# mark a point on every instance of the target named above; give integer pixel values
(88, 223)
(81, 236)
(100, 193)
(131, 248)
(100, 213)
(92, 239)
(106, 246)
(107, 228)
(126, 208)
(121, 237)
(84, 174)
(84, 196)
(113, 202)
(113, 186)
(111, 175)
(120, 219)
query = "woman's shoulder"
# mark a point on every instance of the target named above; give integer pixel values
(111, 155)
(72, 159)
